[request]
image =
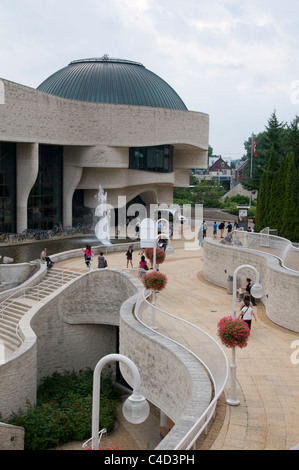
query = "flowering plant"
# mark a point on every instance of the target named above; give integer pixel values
(160, 255)
(154, 280)
(233, 333)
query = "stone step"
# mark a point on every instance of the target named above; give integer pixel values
(14, 309)
(10, 341)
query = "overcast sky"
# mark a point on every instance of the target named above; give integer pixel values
(234, 60)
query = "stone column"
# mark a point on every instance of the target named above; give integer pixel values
(27, 171)
(71, 177)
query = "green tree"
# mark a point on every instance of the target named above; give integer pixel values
(277, 194)
(208, 193)
(289, 215)
(292, 139)
(275, 135)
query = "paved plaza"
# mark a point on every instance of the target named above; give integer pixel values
(267, 377)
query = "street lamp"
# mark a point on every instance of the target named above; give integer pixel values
(257, 291)
(148, 239)
(135, 408)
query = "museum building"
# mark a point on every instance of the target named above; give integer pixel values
(96, 122)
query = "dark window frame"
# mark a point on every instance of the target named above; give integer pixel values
(157, 159)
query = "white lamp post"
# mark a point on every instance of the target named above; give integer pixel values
(257, 291)
(135, 408)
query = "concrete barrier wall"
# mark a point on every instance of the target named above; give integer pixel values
(171, 378)
(12, 275)
(11, 437)
(281, 287)
(69, 330)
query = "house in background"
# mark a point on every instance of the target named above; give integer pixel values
(222, 172)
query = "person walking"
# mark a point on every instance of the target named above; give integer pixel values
(143, 266)
(88, 254)
(215, 229)
(204, 229)
(129, 255)
(229, 227)
(247, 312)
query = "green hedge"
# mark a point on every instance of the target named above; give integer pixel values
(63, 411)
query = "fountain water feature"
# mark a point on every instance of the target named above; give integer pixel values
(102, 228)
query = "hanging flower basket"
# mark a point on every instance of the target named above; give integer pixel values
(154, 280)
(160, 255)
(233, 333)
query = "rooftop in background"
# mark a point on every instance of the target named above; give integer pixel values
(113, 81)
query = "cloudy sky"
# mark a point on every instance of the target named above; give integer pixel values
(234, 60)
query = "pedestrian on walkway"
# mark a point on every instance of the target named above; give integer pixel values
(221, 228)
(247, 312)
(215, 229)
(229, 227)
(88, 255)
(129, 255)
(204, 229)
(143, 266)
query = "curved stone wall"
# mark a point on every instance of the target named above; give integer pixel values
(71, 329)
(171, 378)
(77, 325)
(281, 292)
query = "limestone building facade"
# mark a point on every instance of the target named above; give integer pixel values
(97, 122)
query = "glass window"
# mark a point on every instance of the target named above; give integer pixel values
(7, 187)
(45, 199)
(156, 158)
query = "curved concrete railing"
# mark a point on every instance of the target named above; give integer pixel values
(280, 283)
(204, 349)
(279, 247)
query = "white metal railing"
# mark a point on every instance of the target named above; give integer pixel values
(24, 292)
(200, 344)
(264, 241)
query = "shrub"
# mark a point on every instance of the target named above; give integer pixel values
(64, 410)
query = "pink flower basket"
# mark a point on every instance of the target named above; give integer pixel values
(160, 255)
(233, 333)
(154, 280)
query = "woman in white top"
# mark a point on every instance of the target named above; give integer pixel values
(247, 312)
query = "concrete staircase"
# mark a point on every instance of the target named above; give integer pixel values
(13, 308)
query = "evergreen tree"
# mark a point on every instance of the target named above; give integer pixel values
(271, 199)
(275, 135)
(290, 209)
(266, 197)
(292, 139)
(261, 205)
(278, 196)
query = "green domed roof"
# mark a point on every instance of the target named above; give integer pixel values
(114, 81)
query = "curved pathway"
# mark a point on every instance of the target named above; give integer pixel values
(267, 380)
